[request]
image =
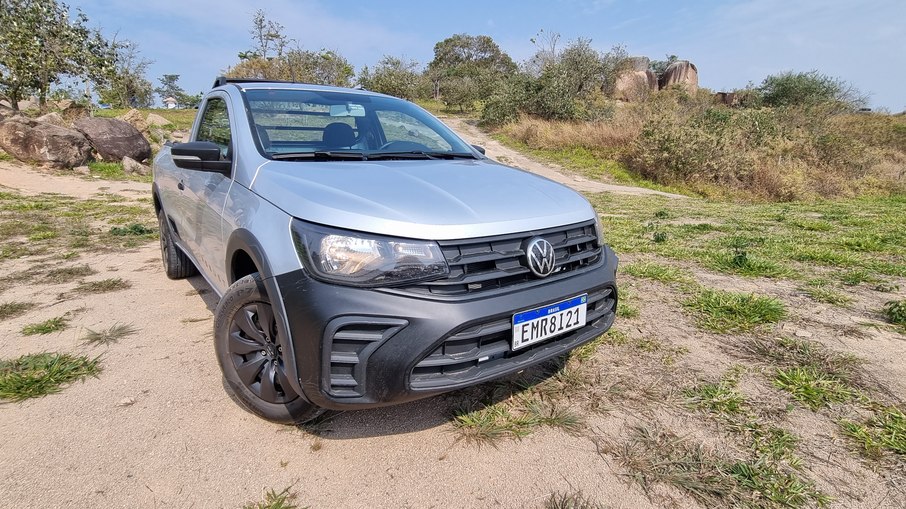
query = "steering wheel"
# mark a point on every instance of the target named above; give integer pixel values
(404, 146)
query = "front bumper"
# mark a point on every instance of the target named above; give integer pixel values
(360, 348)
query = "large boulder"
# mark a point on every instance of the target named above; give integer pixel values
(32, 141)
(52, 118)
(114, 139)
(638, 63)
(155, 120)
(632, 86)
(682, 73)
(136, 119)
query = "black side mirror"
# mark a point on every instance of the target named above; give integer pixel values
(200, 155)
(478, 148)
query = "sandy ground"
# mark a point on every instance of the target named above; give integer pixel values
(158, 429)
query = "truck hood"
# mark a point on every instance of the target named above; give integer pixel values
(423, 199)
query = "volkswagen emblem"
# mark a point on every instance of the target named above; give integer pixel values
(539, 255)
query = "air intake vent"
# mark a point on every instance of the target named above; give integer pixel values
(349, 342)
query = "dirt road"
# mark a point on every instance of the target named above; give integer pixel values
(157, 429)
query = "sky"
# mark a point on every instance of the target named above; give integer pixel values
(731, 42)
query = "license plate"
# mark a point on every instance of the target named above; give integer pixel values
(536, 325)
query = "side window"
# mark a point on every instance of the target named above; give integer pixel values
(398, 126)
(215, 125)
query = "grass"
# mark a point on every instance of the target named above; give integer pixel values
(274, 499)
(109, 335)
(657, 272)
(895, 312)
(13, 309)
(654, 456)
(813, 387)
(574, 500)
(819, 292)
(886, 431)
(48, 326)
(50, 224)
(715, 235)
(721, 397)
(36, 375)
(135, 229)
(514, 418)
(721, 311)
(103, 286)
(68, 274)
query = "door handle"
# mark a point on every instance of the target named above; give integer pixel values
(180, 186)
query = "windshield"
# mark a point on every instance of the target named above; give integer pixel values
(306, 123)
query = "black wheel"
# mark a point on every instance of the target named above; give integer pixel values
(176, 264)
(250, 351)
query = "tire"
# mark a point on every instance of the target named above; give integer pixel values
(249, 350)
(177, 264)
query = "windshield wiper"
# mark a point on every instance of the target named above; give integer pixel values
(320, 155)
(420, 154)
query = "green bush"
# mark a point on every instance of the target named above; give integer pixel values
(802, 88)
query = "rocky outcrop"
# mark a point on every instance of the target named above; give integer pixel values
(113, 139)
(633, 86)
(682, 73)
(38, 142)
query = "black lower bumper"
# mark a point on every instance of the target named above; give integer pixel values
(359, 348)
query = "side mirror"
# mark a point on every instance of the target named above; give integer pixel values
(200, 155)
(478, 148)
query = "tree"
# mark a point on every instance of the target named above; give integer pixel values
(809, 88)
(392, 76)
(659, 67)
(270, 58)
(169, 86)
(40, 44)
(469, 67)
(126, 85)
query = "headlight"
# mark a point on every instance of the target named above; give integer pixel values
(360, 259)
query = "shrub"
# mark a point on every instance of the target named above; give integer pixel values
(802, 88)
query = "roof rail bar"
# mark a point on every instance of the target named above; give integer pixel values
(223, 80)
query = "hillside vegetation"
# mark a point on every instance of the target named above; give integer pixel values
(686, 141)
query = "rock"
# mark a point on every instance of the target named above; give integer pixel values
(682, 73)
(802, 334)
(72, 111)
(127, 401)
(82, 170)
(134, 167)
(135, 118)
(52, 118)
(114, 139)
(634, 86)
(727, 98)
(638, 63)
(153, 119)
(31, 141)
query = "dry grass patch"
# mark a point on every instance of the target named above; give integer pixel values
(13, 309)
(103, 286)
(109, 335)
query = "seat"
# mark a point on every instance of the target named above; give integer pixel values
(338, 135)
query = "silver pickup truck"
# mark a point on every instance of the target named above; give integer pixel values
(365, 255)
